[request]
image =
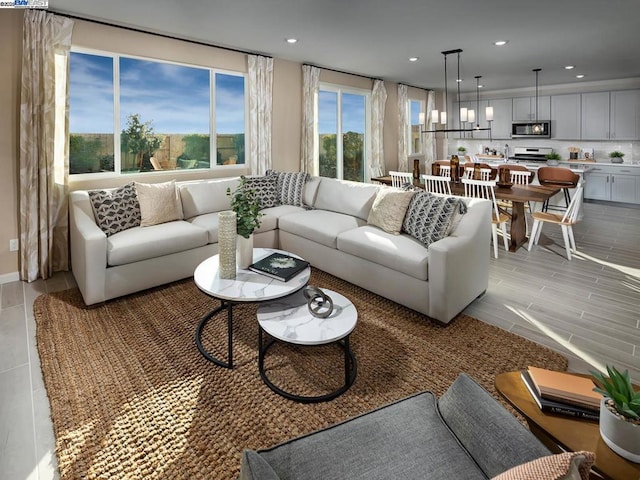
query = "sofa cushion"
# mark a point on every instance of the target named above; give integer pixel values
(141, 243)
(320, 226)
(430, 217)
(388, 209)
(310, 191)
(270, 217)
(265, 189)
(342, 196)
(209, 223)
(563, 466)
(116, 210)
(210, 196)
(290, 186)
(159, 203)
(406, 439)
(402, 253)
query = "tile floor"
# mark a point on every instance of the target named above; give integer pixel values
(588, 308)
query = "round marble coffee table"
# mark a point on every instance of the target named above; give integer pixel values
(288, 320)
(247, 287)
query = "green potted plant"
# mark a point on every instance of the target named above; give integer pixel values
(616, 156)
(553, 158)
(246, 204)
(619, 413)
(462, 151)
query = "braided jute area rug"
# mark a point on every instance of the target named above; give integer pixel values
(132, 397)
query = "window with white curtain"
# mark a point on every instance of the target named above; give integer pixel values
(131, 114)
(343, 132)
(414, 133)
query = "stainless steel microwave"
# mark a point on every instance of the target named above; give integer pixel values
(540, 129)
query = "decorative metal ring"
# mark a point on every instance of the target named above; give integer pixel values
(319, 303)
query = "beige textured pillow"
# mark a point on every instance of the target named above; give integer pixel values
(389, 208)
(159, 203)
(564, 466)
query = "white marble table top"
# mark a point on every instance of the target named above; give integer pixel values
(288, 319)
(248, 286)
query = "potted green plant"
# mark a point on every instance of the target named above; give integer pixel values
(462, 150)
(553, 158)
(616, 156)
(246, 204)
(619, 413)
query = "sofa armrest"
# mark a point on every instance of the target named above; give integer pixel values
(459, 263)
(495, 439)
(88, 249)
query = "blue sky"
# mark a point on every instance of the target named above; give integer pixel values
(353, 112)
(175, 98)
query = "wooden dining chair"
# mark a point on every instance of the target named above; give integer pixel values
(437, 184)
(441, 167)
(566, 222)
(486, 172)
(486, 189)
(398, 179)
(518, 175)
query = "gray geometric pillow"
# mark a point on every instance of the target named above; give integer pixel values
(429, 216)
(266, 190)
(116, 210)
(290, 186)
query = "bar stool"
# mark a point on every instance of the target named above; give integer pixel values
(558, 177)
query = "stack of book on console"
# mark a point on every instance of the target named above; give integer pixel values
(562, 393)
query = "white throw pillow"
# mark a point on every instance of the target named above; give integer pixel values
(159, 203)
(389, 208)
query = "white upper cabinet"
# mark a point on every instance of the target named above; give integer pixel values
(595, 116)
(524, 108)
(565, 116)
(625, 115)
(501, 125)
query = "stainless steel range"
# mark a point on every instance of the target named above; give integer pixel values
(530, 154)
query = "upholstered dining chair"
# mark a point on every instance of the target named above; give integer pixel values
(486, 189)
(566, 222)
(400, 178)
(437, 184)
(558, 177)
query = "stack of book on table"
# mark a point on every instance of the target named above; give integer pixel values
(562, 393)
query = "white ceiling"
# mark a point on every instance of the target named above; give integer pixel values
(376, 37)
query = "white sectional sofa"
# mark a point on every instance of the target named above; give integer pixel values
(331, 232)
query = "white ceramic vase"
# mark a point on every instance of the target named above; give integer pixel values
(227, 244)
(244, 251)
(621, 436)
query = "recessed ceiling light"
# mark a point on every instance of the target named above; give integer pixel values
(500, 43)
(569, 67)
(291, 40)
(580, 76)
(414, 59)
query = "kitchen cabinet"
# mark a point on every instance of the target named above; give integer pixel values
(616, 184)
(524, 108)
(565, 116)
(625, 115)
(502, 118)
(595, 116)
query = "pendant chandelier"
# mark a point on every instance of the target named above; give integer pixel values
(466, 115)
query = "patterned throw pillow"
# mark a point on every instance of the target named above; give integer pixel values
(429, 216)
(388, 209)
(290, 186)
(266, 190)
(563, 466)
(116, 210)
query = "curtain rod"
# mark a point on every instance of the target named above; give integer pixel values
(419, 88)
(163, 35)
(343, 72)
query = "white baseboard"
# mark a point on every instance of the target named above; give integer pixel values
(9, 277)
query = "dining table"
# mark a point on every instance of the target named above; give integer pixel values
(518, 195)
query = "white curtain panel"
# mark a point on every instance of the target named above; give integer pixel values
(403, 127)
(260, 113)
(309, 140)
(378, 102)
(44, 130)
(430, 138)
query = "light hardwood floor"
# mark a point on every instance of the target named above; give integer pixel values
(588, 309)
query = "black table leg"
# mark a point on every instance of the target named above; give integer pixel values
(228, 306)
(350, 371)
